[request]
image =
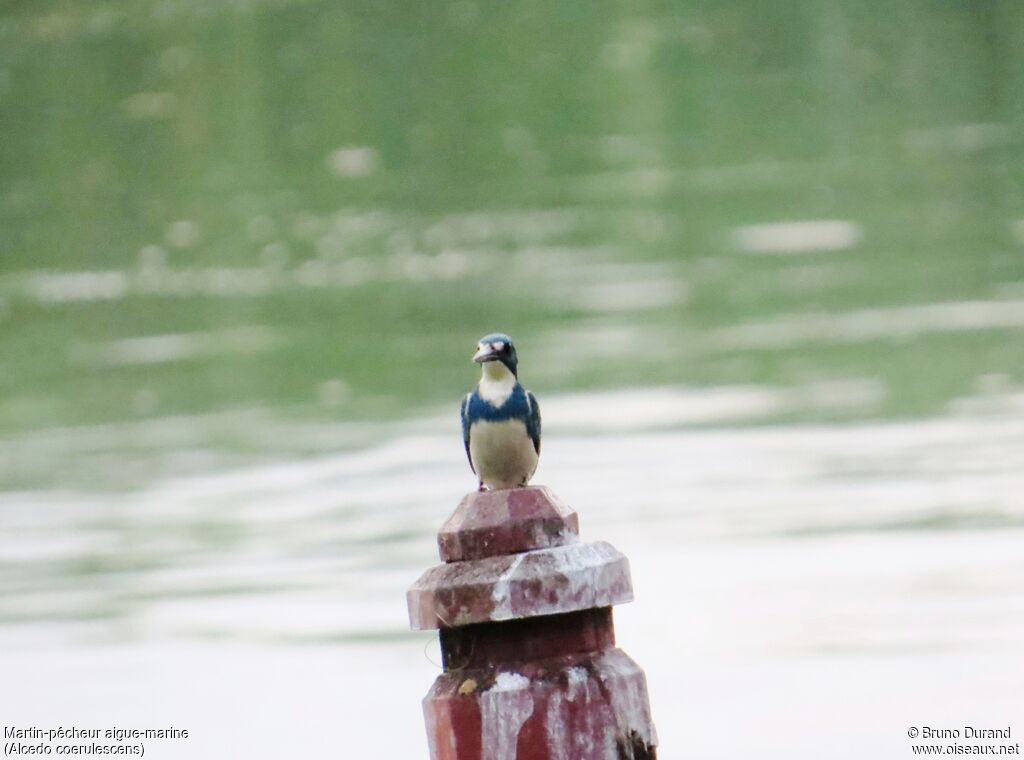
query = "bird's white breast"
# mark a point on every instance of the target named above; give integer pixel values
(502, 453)
(497, 390)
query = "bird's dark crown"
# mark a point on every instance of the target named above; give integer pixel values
(506, 354)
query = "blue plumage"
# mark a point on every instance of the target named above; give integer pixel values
(521, 405)
(501, 425)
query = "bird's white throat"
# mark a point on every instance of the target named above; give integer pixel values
(496, 383)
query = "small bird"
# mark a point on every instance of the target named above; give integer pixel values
(500, 419)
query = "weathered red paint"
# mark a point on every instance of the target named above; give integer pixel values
(540, 582)
(493, 644)
(491, 523)
(531, 671)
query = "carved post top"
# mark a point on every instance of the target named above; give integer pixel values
(515, 554)
(495, 523)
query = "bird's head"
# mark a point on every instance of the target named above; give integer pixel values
(497, 347)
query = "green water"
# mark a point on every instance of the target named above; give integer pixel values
(323, 205)
(247, 248)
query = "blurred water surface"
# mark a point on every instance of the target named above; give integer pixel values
(244, 212)
(764, 265)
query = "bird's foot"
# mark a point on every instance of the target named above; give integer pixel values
(480, 488)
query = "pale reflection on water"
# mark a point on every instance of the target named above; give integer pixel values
(798, 587)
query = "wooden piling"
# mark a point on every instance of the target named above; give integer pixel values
(524, 610)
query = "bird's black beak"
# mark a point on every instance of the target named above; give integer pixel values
(486, 352)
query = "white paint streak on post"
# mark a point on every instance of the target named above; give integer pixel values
(557, 727)
(576, 677)
(610, 750)
(628, 693)
(441, 744)
(503, 710)
(502, 596)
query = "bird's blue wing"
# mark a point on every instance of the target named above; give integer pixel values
(465, 428)
(532, 422)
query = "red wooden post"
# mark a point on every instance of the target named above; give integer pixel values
(531, 671)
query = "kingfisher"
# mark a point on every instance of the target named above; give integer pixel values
(500, 419)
